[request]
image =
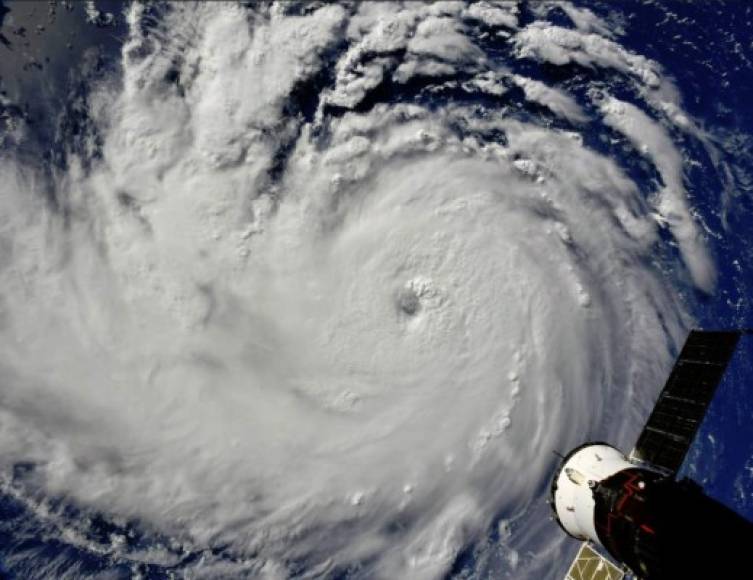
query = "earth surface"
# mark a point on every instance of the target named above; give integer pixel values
(313, 290)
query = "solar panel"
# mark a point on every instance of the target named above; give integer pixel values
(683, 402)
(590, 565)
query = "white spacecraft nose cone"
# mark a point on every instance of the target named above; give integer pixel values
(572, 491)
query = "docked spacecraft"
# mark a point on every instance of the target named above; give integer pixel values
(634, 508)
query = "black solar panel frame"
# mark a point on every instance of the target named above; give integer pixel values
(682, 404)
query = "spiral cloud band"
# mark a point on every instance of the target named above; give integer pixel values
(303, 325)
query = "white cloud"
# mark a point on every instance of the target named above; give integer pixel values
(651, 139)
(560, 46)
(584, 19)
(559, 102)
(501, 13)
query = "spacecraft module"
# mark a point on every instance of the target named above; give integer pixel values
(633, 507)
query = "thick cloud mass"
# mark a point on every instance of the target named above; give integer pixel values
(327, 302)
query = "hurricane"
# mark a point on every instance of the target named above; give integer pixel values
(318, 289)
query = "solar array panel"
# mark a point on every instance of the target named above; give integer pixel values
(683, 402)
(590, 565)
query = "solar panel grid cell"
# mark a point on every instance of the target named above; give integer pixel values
(683, 402)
